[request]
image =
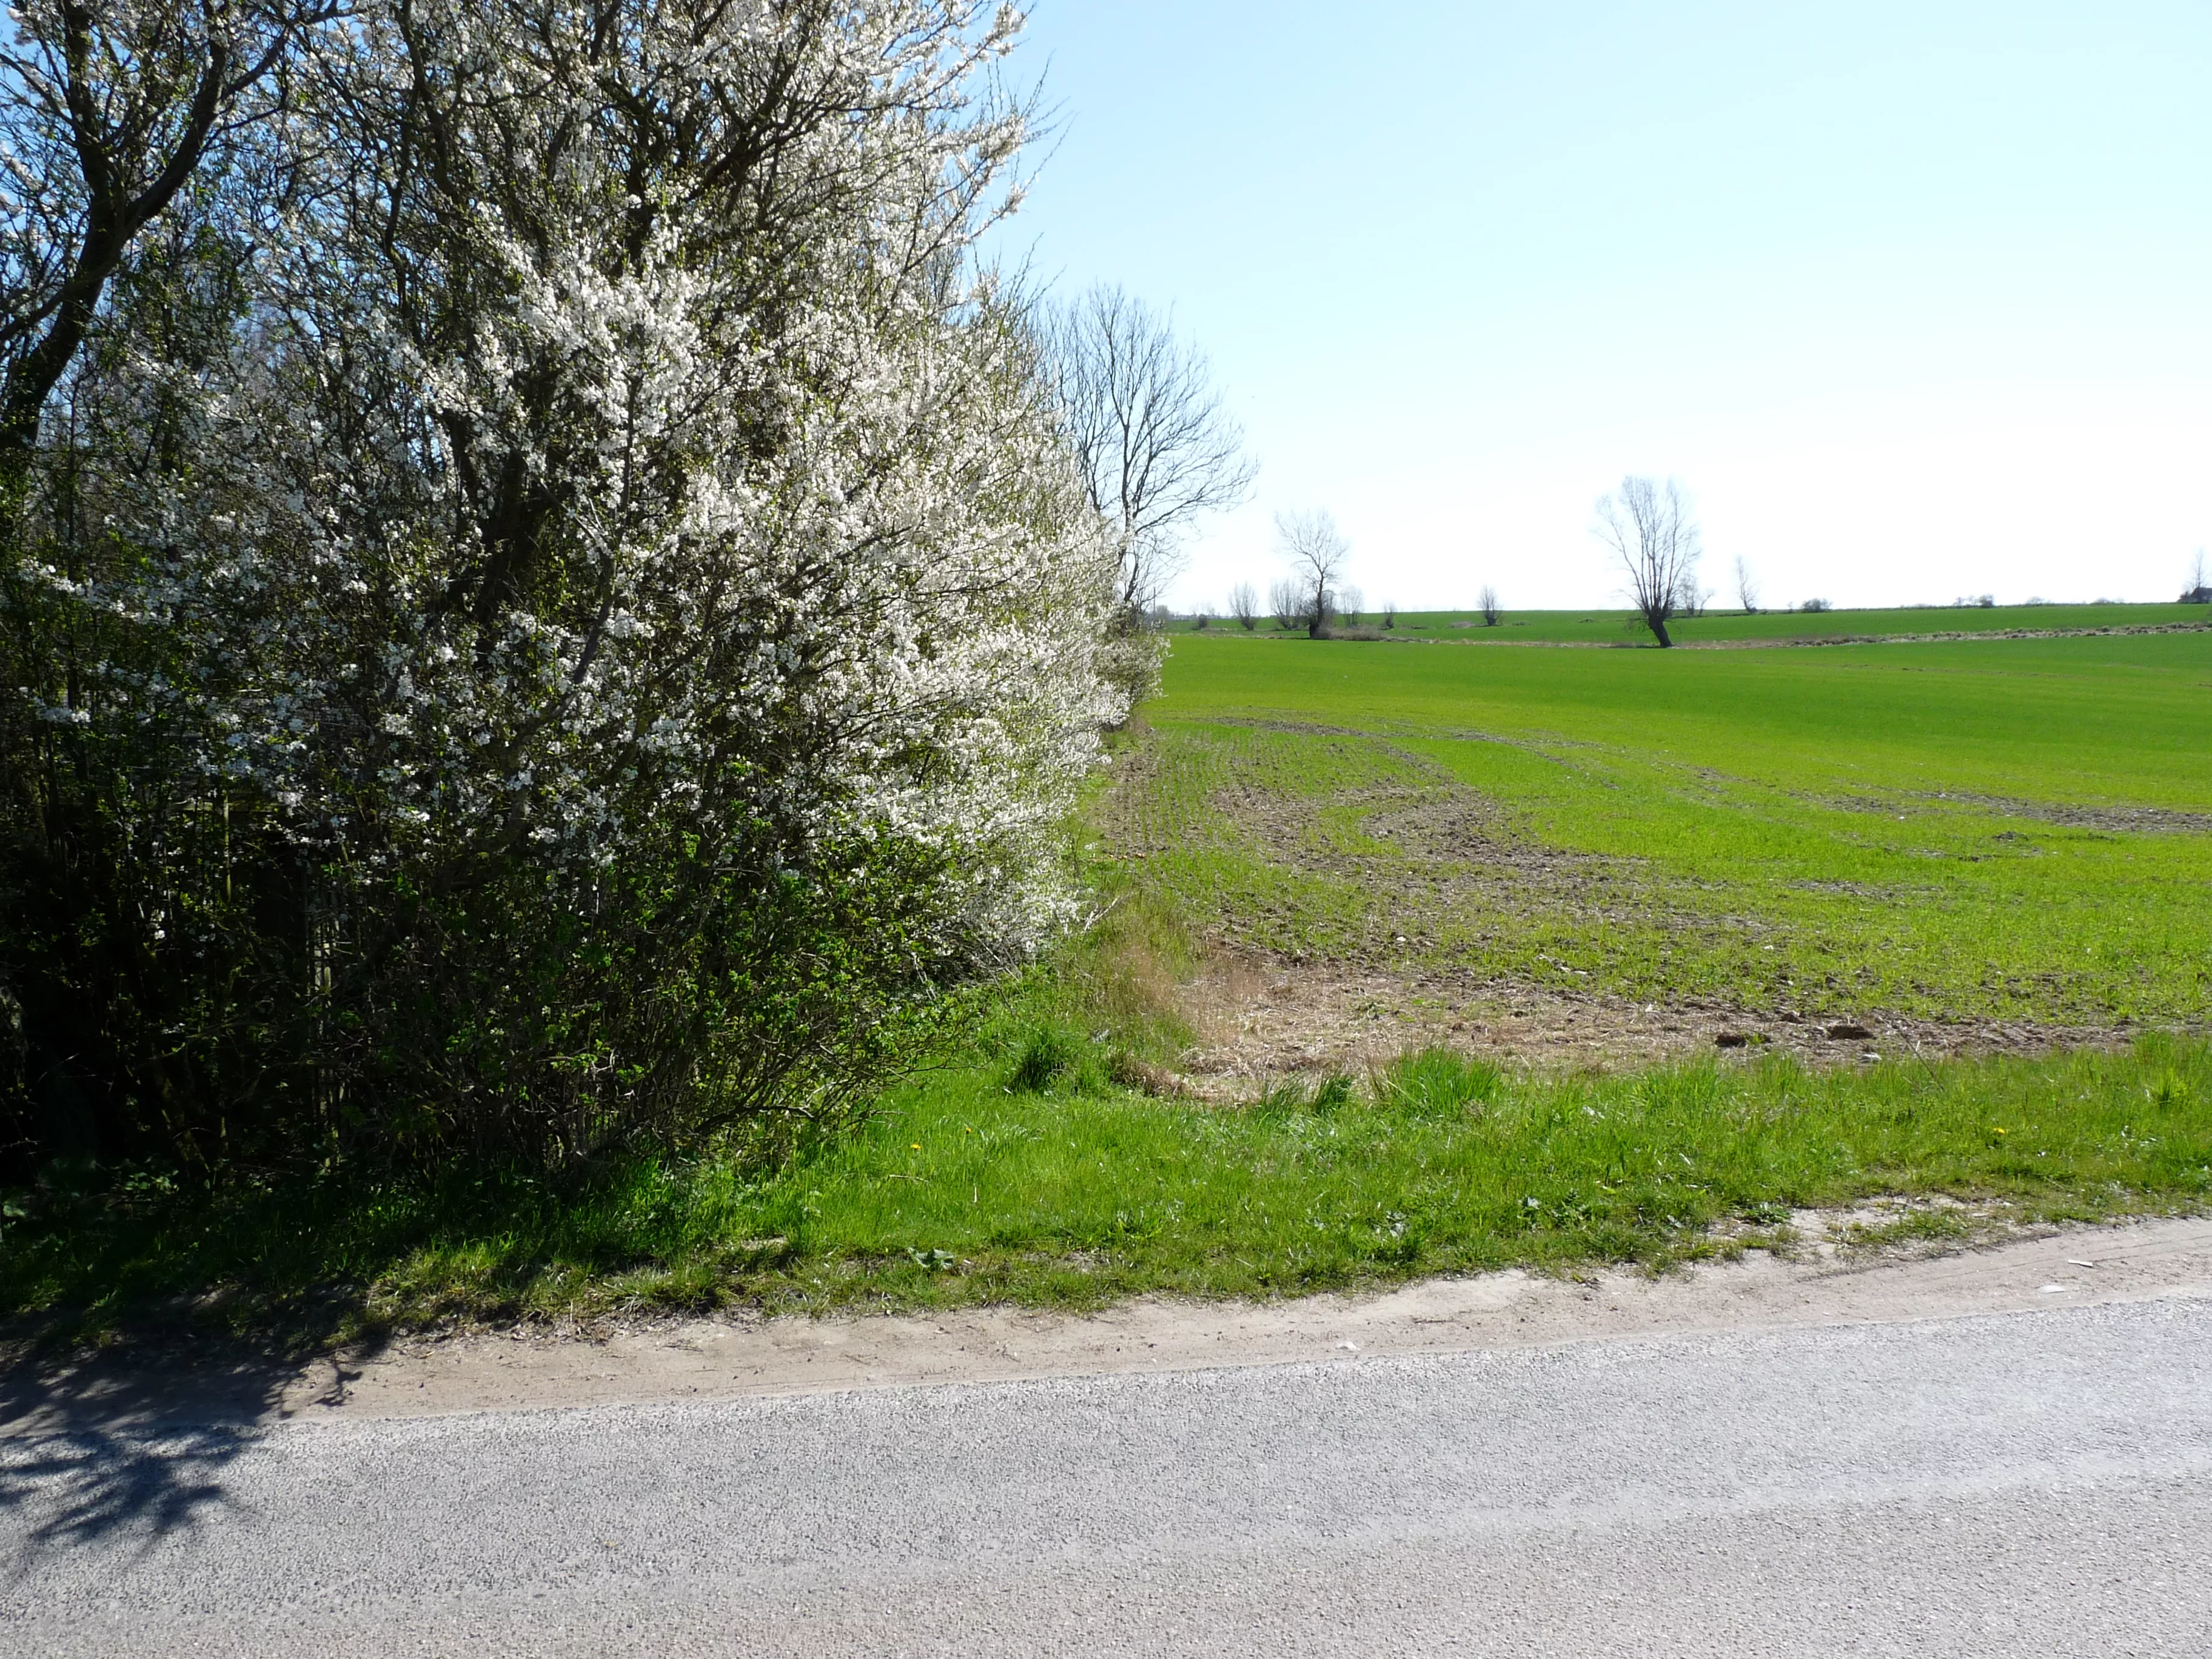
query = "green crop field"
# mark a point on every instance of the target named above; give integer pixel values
(1988, 831)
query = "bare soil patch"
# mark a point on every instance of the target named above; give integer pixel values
(1261, 1018)
(2127, 820)
(2121, 820)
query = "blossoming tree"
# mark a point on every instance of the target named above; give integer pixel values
(553, 605)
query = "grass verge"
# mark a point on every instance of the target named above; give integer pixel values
(1028, 1176)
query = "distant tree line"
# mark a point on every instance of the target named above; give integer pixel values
(1647, 526)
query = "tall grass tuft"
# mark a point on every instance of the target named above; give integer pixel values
(1292, 1096)
(1433, 1082)
(1051, 1055)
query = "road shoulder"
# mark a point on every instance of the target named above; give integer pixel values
(741, 1357)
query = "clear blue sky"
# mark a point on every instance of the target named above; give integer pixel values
(1916, 298)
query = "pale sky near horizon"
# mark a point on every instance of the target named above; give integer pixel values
(1916, 299)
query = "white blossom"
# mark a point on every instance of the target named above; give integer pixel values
(620, 448)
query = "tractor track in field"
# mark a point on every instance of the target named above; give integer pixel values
(1419, 927)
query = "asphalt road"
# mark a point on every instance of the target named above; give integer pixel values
(2019, 1484)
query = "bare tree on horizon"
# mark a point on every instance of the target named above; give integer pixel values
(1244, 605)
(1156, 444)
(1746, 588)
(1650, 529)
(1488, 603)
(2200, 586)
(1316, 552)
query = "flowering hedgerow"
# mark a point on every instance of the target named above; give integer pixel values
(553, 605)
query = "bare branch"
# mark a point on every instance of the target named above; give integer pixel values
(1155, 444)
(1648, 527)
(106, 114)
(1317, 553)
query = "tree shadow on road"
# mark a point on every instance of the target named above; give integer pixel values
(133, 1439)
